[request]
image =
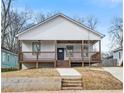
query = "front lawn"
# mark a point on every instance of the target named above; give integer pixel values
(92, 78)
(97, 78)
(48, 72)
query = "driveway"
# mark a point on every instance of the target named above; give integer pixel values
(115, 71)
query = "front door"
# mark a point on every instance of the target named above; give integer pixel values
(60, 53)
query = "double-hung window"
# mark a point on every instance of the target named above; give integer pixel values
(36, 46)
(69, 51)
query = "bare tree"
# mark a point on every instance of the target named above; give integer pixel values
(18, 22)
(91, 22)
(49, 14)
(40, 17)
(6, 4)
(116, 32)
(12, 23)
(79, 19)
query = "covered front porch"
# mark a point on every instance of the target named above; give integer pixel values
(62, 53)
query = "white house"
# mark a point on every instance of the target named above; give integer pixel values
(118, 54)
(59, 41)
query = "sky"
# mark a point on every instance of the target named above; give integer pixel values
(103, 10)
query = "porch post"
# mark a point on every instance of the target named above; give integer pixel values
(37, 61)
(82, 53)
(55, 53)
(89, 53)
(19, 54)
(100, 52)
(37, 64)
(69, 60)
(38, 54)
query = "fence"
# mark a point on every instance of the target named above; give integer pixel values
(109, 62)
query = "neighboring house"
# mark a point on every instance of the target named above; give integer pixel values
(59, 41)
(109, 61)
(9, 60)
(115, 59)
(118, 54)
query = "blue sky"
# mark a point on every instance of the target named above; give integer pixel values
(104, 10)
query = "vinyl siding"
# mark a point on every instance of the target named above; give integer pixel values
(59, 29)
(45, 45)
(9, 59)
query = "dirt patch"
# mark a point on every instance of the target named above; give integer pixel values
(97, 78)
(32, 73)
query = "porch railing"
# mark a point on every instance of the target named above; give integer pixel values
(51, 55)
(85, 56)
(37, 56)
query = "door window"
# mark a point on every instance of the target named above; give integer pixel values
(60, 50)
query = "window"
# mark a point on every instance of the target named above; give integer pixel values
(4, 57)
(69, 51)
(35, 46)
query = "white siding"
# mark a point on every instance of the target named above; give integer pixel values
(45, 45)
(59, 29)
(27, 46)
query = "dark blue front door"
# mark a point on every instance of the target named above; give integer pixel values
(60, 53)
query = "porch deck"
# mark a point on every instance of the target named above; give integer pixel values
(49, 57)
(58, 55)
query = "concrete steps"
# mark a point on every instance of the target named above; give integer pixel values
(71, 88)
(72, 83)
(71, 79)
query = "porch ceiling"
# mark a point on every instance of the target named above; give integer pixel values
(76, 41)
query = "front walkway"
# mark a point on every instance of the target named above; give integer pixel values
(115, 71)
(68, 72)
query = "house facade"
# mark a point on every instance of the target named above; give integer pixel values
(59, 41)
